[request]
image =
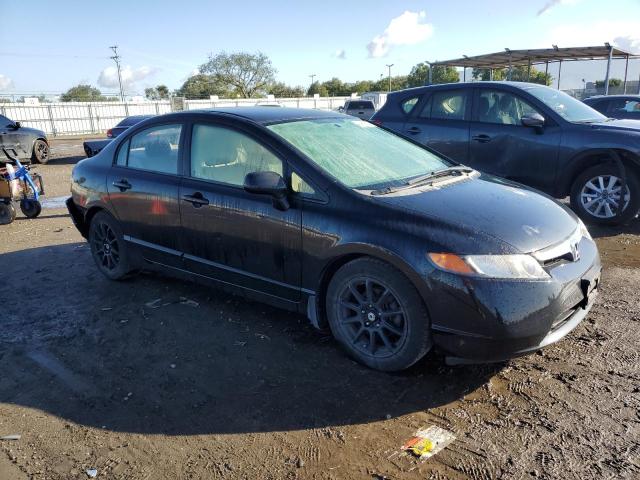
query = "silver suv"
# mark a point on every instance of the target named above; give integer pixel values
(363, 109)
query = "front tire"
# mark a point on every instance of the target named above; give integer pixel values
(377, 315)
(596, 194)
(40, 152)
(30, 208)
(108, 247)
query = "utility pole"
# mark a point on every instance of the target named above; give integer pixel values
(312, 76)
(116, 58)
(389, 67)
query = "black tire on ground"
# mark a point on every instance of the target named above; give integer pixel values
(108, 248)
(377, 315)
(595, 191)
(7, 213)
(40, 152)
(30, 208)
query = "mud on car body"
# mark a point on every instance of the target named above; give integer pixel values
(393, 247)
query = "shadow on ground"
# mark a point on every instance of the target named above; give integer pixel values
(91, 351)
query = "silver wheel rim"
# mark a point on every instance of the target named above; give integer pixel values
(600, 196)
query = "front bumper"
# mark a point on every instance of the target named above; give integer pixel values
(494, 320)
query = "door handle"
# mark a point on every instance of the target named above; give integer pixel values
(414, 130)
(196, 199)
(123, 185)
(481, 138)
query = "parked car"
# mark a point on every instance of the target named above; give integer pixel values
(363, 109)
(394, 247)
(616, 106)
(92, 147)
(529, 133)
(30, 144)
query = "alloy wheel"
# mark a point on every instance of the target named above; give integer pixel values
(373, 319)
(600, 196)
(106, 246)
(42, 151)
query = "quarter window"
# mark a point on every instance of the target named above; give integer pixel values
(299, 185)
(226, 155)
(409, 103)
(154, 149)
(448, 105)
(502, 108)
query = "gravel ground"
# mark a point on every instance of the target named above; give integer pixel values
(94, 378)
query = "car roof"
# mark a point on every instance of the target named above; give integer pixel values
(266, 116)
(483, 83)
(601, 97)
(133, 119)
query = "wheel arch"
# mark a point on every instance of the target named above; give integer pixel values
(591, 157)
(348, 253)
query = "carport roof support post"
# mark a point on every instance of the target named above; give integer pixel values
(606, 78)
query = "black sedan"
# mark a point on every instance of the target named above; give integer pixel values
(30, 144)
(395, 248)
(92, 147)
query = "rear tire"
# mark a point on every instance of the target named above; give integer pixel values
(40, 152)
(596, 192)
(7, 213)
(377, 315)
(108, 247)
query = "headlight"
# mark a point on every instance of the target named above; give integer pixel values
(490, 266)
(583, 229)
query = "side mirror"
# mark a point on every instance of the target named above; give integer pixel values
(341, 109)
(268, 183)
(534, 120)
(17, 125)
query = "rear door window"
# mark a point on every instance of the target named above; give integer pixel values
(447, 105)
(155, 149)
(360, 105)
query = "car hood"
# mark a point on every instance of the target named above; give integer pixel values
(624, 125)
(33, 131)
(524, 218)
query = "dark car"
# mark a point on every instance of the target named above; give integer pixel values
(363, 109)
(92, 147)
(392, 246)
(529, 133)
(616, 106)
(30, 144)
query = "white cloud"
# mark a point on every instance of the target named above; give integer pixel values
(109, 76)
(407, 29)
(5, 82)
(552, 3)
(341, 54)
(623, 34)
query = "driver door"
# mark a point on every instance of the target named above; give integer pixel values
(229, 234)
(502, 146)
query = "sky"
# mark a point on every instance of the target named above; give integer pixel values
(67, 42)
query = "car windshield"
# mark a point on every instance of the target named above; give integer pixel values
(566, 106)
(358, 153)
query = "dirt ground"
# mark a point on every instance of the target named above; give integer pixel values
(93, 378)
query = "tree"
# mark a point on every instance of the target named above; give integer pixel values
(318, 88)
(281, 90)
(159, 92)
(82, 93)
(419, 75)
(518, 74)
(613, 82)
(248, 74)
(202, 86)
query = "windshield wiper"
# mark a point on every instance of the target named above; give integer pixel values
(438, 174)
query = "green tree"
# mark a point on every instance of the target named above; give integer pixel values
(281, 90)
(245, 73)
(160, 92)
(82, 93)
(202, 86)
(613, 82)
(419, 75)
(518, 74)
(317, 87)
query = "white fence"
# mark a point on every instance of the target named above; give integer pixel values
(86, 118)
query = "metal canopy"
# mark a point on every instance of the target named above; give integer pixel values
(535, 56)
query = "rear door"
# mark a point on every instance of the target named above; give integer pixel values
(229, 234)
(441, 122)
(8, 136)
(143, 186)
(502, 146)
